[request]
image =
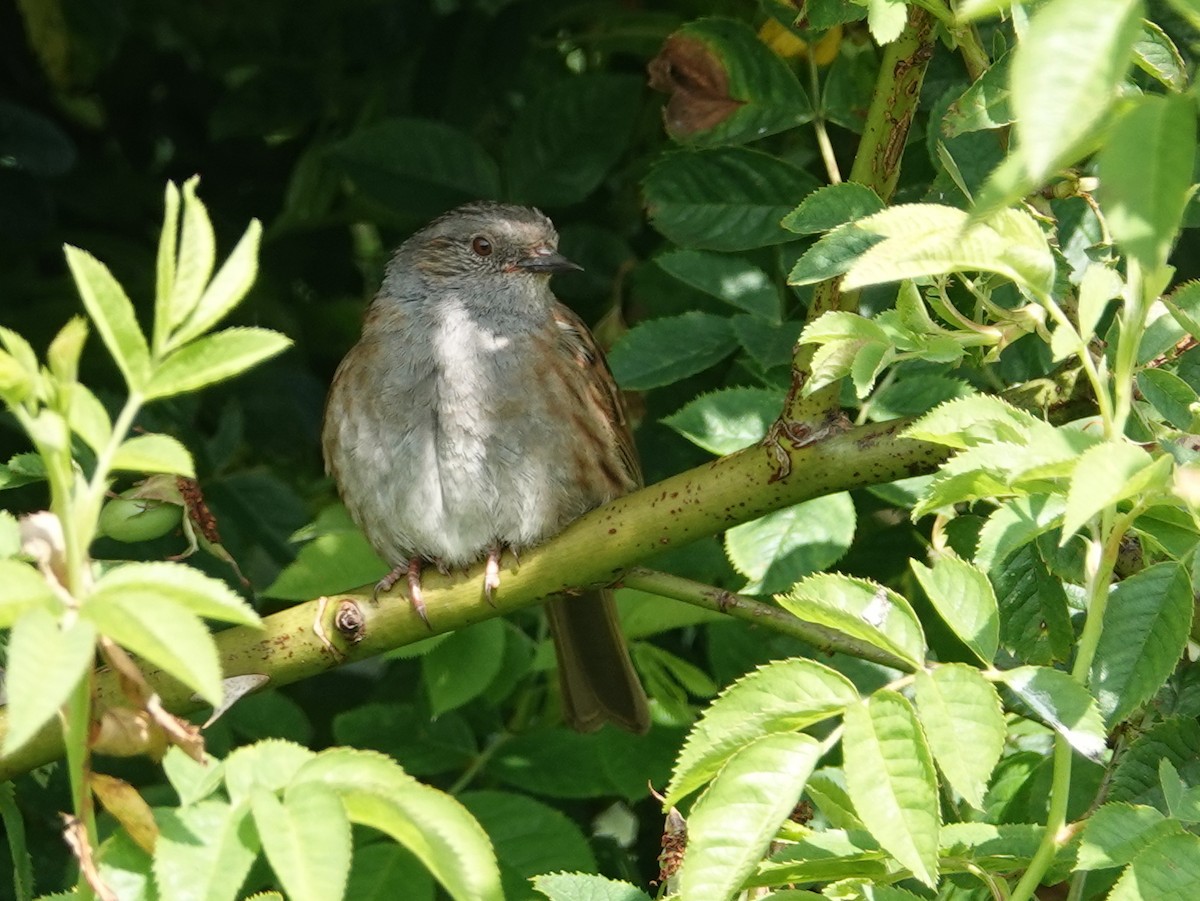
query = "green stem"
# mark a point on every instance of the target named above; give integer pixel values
(88, 509)
(1133, 323)
(1056, 819)
(823, 142)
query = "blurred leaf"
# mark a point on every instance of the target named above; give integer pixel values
(423, 746)
(147, 583)
(732, 279)
(385, 872)
(565, 141)
(727, 420)
(306, 838)
(33, 143)
(777, 550)
(154, 453)
(983, 105)
(1145, 170)
(416, 168)
(44, 664)
(725, 85)
(1156, 55)
(204, 851)
(732, 824)
(891, 779)
(725, 199)
(663, 351)
(22, 587)
(460, 668)
(886, 19)
(1070, 58)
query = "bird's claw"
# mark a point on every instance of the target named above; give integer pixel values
(491, 573)
(411, 569)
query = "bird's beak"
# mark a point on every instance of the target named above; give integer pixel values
(547, 259)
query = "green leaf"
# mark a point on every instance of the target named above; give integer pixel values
(833, 255)
(1073, 57)
(729, 198)
(1098, 286)
(22, 587)
(964, 598)
(1184, 305)
(777, 550)
(166, 634)
(1146, 627)
(663, 351)
(1156, 55)
(886, 19)
(860, 609)
(832, 206)
(1014, 524)
(568, 136)
(983, 105)
(1116, 833)
(1034, 622)
(146, 583)
(45, 663)
(732, 279)
(891, 779)
(87, 417)
(734, 821)
(204, 851)
(959, 710)
(971, 421)
(385, 872)
(768, 345)
(1145, 170)
(460, 668)
(1108, 473)
(64, 351)
(1170, 395)
(929, 239)
(434, 826)
(782, 696)
(214, 358)
(112, 312)
(726, 86)
(586, 887)
(226, 290)
(416, 168)
(306, 838)
(10, 546)
(1166, 871)
(1136, 777)
(270, 765)
(191, 781)
(727, 420)
(337, 559)
(194, 263)
(168, 248)
(154, 453)
(1060, 702)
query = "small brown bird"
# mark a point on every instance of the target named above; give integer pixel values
(475, 414)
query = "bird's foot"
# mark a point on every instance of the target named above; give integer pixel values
(411, 569)
(491, 572)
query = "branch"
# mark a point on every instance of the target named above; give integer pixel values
(594, 550)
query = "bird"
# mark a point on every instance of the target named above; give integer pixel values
(477, 414)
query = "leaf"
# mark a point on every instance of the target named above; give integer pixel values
(1156, 55)
(971, 421)
(886, 19)
(832, 206)
(983, 105)
(1107, 473)
(112, 313)
(154, 453)
(204, 851)
(782, 696)
(1136, 777)
(833, 255)
(777, 550)
(730, 198)
(1146, 627)
(964, 598)
(725, 85)
(727, 420)
(1184, 306)
(860, 609)
(1166, 871)
(416, 168)
(306, 838)
(45, 663)
(1170, 395)
(1073, 57)
(1116, 833)
(87, 417)
(168, 248)
(194, 263)
(1060, 702)
(1145, 170)
(226, 290)
(460, 668)
(270, 765)
(1014, 524)
(22, 587)
(586, 887)
(959, 710)
(214, 358)
(768, 345)
(734, 821)
(64, 351)
(146, 583)
(663, 351)
(1034, 622)
(891, 780)
(166, 634)
(732, 279)
(568, 136)
(434, 826)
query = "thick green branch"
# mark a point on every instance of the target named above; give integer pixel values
(595, 550)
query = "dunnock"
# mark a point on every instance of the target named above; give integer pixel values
(475, 414)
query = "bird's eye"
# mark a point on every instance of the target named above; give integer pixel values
(481, 246)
